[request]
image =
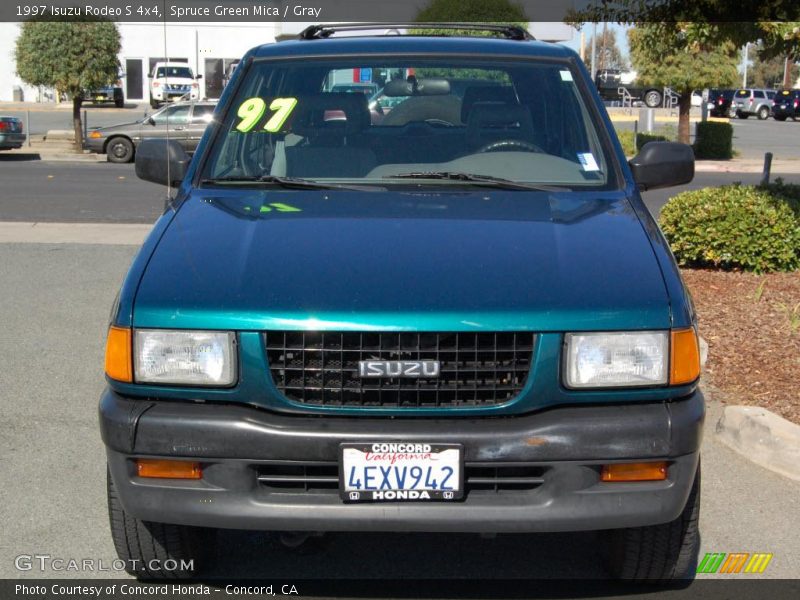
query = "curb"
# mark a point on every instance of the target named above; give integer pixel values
(762, 437)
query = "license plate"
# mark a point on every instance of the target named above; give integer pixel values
(401, 472)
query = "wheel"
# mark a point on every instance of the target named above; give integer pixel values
(658, 553)
(119, 102)
(779, 117)
(119, 150)
(742, 115)
(762, 113)
(512, 145)
(652, 99)
(153, 103)
(148, 549)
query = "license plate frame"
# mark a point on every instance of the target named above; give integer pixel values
(397, 494)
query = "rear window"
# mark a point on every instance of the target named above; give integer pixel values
(524, 121)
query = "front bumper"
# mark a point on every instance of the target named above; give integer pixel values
(567, 444)
(96, 145)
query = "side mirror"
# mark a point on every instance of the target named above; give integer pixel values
(663, 164)
(161, 161)
(149, 75)
(198, 76)
(150, 121)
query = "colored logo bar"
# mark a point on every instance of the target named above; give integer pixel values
(735, 562)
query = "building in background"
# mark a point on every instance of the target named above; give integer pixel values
(209, 48)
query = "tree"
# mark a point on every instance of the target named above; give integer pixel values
(71, 56)
(781, 40)
(609, 56)
(770, 72)
(472, 11)
(663, 56)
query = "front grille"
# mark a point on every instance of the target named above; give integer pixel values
(324, 477)
(476, 369)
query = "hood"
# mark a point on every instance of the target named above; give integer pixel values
(238, 258)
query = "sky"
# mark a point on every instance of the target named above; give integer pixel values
(622, 38)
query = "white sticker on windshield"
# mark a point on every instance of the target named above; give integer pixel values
(566, 76)
(587, 161)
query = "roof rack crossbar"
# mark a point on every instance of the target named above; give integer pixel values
(512, 32)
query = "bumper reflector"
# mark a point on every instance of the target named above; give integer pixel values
(118, 354)
(168, 469)
(685, 359)
(651, 471)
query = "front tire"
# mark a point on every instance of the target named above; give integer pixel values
(780, 117)
(119, 150)
(658, 553)
(148, 548)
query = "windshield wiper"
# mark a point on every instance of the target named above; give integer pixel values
(287, 182)
(486, 180)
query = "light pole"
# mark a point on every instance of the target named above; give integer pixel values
(746, 60)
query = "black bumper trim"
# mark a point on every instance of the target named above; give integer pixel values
(613, 432)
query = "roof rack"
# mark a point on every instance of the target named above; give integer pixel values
(511, 32)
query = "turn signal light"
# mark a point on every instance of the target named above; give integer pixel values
(650, 471)
(95, 134)
(684, 357)
(118, 354)
(168, 469)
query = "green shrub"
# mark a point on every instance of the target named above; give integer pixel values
(714, 140)
(643, 138)
(626, 139)
(735, 227)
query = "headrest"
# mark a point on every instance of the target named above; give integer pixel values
(318, 113)
(486, 93)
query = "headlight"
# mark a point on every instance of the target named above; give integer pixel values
(184, 357)
(596, 360)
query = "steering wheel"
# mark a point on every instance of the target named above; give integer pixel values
(439, 122)
(517, 145)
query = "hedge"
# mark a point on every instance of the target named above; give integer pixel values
(714, 140)
(736, 227)
(626, 139)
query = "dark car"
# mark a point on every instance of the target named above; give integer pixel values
(465, 326)
(183, 122)
(109, 93)
(785, 104)
(12, 134)
(720, 103)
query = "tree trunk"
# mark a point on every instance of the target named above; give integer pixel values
(684, 109)
(77, 101)
(788, 63)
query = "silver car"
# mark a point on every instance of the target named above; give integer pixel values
(752, 101)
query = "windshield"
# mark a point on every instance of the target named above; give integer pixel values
(523, 121)
(182, 72)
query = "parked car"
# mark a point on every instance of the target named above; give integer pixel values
(785, 104)
(169, 81)
(229, 70)
(748, 102)
(465, 327)
(720, 103)
(184, 122)
(609, 82)
(110, 93)
(12, 133)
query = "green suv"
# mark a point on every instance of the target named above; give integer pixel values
(462, 320)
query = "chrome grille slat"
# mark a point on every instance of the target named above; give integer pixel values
(476, 369)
